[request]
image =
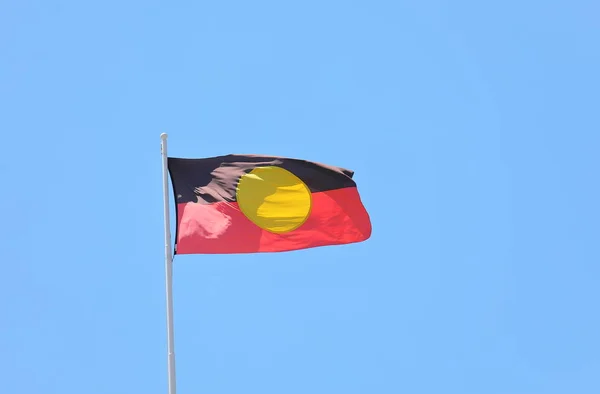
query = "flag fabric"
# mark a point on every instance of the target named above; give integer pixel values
(253, 203)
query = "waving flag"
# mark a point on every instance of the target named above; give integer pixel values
(252, 203)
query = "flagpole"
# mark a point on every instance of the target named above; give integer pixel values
(168, 267)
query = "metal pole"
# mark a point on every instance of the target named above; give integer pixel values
(168, 267)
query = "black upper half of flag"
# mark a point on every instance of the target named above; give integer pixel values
(215, 179)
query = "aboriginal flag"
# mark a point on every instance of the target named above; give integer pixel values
(252, 203)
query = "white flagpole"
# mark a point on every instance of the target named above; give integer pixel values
(168, 266)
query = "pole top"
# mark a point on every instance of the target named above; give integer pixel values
(163, 136)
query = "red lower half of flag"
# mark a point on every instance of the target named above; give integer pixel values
(337, 217)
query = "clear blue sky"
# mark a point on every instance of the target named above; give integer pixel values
(474, 132)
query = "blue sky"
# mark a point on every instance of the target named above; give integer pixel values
(473, 130)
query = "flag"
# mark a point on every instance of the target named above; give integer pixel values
(254, 203)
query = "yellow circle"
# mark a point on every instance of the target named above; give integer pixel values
(274, 199)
